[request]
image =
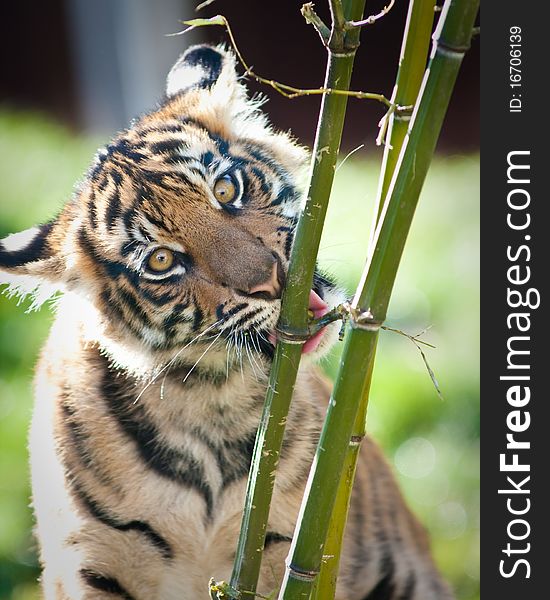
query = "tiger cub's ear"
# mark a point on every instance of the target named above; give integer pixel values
(29, 257)
(206, 80)
(211, 70)
(198, 67)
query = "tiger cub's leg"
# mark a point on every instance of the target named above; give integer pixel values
(87, 585)
(93, 545)
(96, 563)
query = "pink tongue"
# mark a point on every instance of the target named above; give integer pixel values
(317, 305)
(319, 308)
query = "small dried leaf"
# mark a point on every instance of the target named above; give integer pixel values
(217, 20)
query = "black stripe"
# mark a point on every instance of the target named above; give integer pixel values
(104, 182)
(104, 584)
(385, 588)
(125, 148)
(176, 317)
(77, 435)
(264, 185)
(288, 244)
(169, 146)
(175, 464)
(78, 440)
(222, 145)
(159, 299)
(272, 538)
(288, 192)
(154, 221)
(116, 177)
(141, 194)
(144, 130)
(112, 269)
(321, 281)
(234, 457)
(157, 177)
(244, 319)
(92, 210)
(261, 155)
(207, 158)
(132, 304)
(112, 308)
(102, 515)
(129, 246)
(408, 591)
(361, 555)
(114, 210)
(198, 317)
(37, 249)
(124, 167)
(221, 315)
(128, 218)
(208, 60)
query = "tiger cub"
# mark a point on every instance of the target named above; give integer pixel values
(172, 255)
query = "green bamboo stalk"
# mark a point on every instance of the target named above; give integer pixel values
(412, 65)
(293, 322)
(369, 307)
(325, 585)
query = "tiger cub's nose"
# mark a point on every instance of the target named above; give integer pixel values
(272, 287)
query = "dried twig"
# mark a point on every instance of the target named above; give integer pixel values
(314, 19)
(204, 5)
(415, 339)
(373, 18)
(286, 90)
(345, 312)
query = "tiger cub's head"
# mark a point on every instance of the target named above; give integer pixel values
(179, 237)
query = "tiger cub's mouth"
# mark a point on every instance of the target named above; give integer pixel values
(318, 308)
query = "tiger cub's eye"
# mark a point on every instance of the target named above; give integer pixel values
(161, 260)
(225, 189)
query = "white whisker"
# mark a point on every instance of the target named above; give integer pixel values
(173, 360)
(202, 356)
(249, 355)
(253, 357)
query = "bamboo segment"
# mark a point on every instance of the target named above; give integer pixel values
(369, 307)
(307, 546)
(412, 64)
(325, 586)
(293, 322)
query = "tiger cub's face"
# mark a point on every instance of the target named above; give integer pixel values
(180, 235)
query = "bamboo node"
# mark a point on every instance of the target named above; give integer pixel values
(402, 116)
(359, 319)
(292, 337)
(302, 574)
(451, 49)
(343, 54)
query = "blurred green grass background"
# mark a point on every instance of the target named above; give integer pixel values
(433, 444)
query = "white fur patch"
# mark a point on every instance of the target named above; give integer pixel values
(18, 241)
(183, 76)
(23, 286)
